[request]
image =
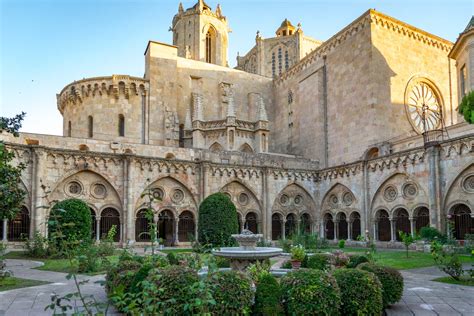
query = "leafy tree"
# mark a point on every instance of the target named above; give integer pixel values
(70, 220)
(407, 240)
(217, 220)
(11, 195)
(466, 108)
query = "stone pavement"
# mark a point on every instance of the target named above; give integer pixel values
(421, 296)
(33, 300)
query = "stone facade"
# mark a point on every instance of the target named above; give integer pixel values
(335, 145)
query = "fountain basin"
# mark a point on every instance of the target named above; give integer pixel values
(241, 258)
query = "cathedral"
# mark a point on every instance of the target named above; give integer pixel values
(354, 137)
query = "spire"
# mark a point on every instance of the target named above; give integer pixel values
(201, 5)
(262, 112)
(230, 106)
(180, 8)
(187, 121)
(197, 107)
(470, 25)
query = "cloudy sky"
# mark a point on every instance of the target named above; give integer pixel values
(46, 44)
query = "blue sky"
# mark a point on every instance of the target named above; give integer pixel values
(46, 44)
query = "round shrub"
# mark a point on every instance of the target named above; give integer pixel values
(267, 296)
(430, 233)
(217, 220)
(361, 292)
(121, 276)
(232, 292)
(319, 261)
(310, 292)
(355, 260)
(71, 220)
(169, 289)
(391, 279)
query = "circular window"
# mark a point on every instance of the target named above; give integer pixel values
(99, 191)
(284, 199)
(468, 183)
(74, 188)
(333, 200)
(158, 194)
(390, 193)
(423, 106)
(243, 198)
(178, 196)
(298, 200)
(347, 198)
(410, 190)
(228, 195)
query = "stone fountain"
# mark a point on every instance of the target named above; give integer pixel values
(247, 253)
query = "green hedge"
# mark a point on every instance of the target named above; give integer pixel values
(232, 292)
(319, 261)
(391, 279)
(71, 220)
(267, 296)
(361, 292)
(355, 260)
(466, 108)
(310, 292)
(217, 220)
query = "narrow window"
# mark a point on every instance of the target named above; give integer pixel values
(279, 60)
(287, 62)
(208, 46)
(463, 81)
(91, 126)
(181, 135)
(273, 64)
(121, 125)
(69, 129)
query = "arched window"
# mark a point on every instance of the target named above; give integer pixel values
(355, 225)
(90, 128)
(108, 218)
(251, 222)
(69, 129)
(121, 125)
(422, 218)
(186, 226)
(305, 224)
(166, 227)
(328, 227)
(210, 45)
(19, 227)
(276, 226)
(383, 226)
(402, 222)
(463, 222)
(342, 230)
(273, 64)
(290, 225)
(142, 226)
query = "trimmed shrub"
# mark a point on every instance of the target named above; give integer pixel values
(70, 220)
(267, 296)
(391, 279)
(319, 261)
(355, 260)
(310, 292)
(232, 292)
(361, 292)
(287, 264)
(217, 220)
(466, 108)
(169, 289)
(430, 233)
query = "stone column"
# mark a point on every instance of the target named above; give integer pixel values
(128, 200)
(392, 230)
(283, 232)
(322, 232)
(176, 235)
(412, 226)
(434, 186)
(39, 210)
(376, 228)
(97, 228)
(265, 213)
(5, 230)
(349, 230)
(336, 230)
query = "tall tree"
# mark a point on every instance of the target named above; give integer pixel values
(11, 194)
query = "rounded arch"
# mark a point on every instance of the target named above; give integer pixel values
(383, 225)
(421, 217)
(355, 225)
(19, 226)
(110, 217)
(329, 231)
(402, 222)
(305, 223)
(142, 225)
(251, 222)
(342, 226)
(291, 224)
(461, 216)
(277, 220)
(186, 226)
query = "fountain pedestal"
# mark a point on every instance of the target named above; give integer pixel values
(247, 253)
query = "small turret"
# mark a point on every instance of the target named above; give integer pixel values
(180, 8)
(285, 29)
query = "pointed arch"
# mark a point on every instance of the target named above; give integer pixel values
(216, 147)
(246, 148)
(460, 188)
(338, 196)
(210, 41)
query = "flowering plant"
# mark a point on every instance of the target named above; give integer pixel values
(298, 253)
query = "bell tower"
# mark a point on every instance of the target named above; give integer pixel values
(201, 34)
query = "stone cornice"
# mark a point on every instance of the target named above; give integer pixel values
(111, 86)
(369, 17)
(460, 42)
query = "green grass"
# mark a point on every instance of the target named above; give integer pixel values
(11, 283)
(56, 265)
(177, 250)
(466, 282)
